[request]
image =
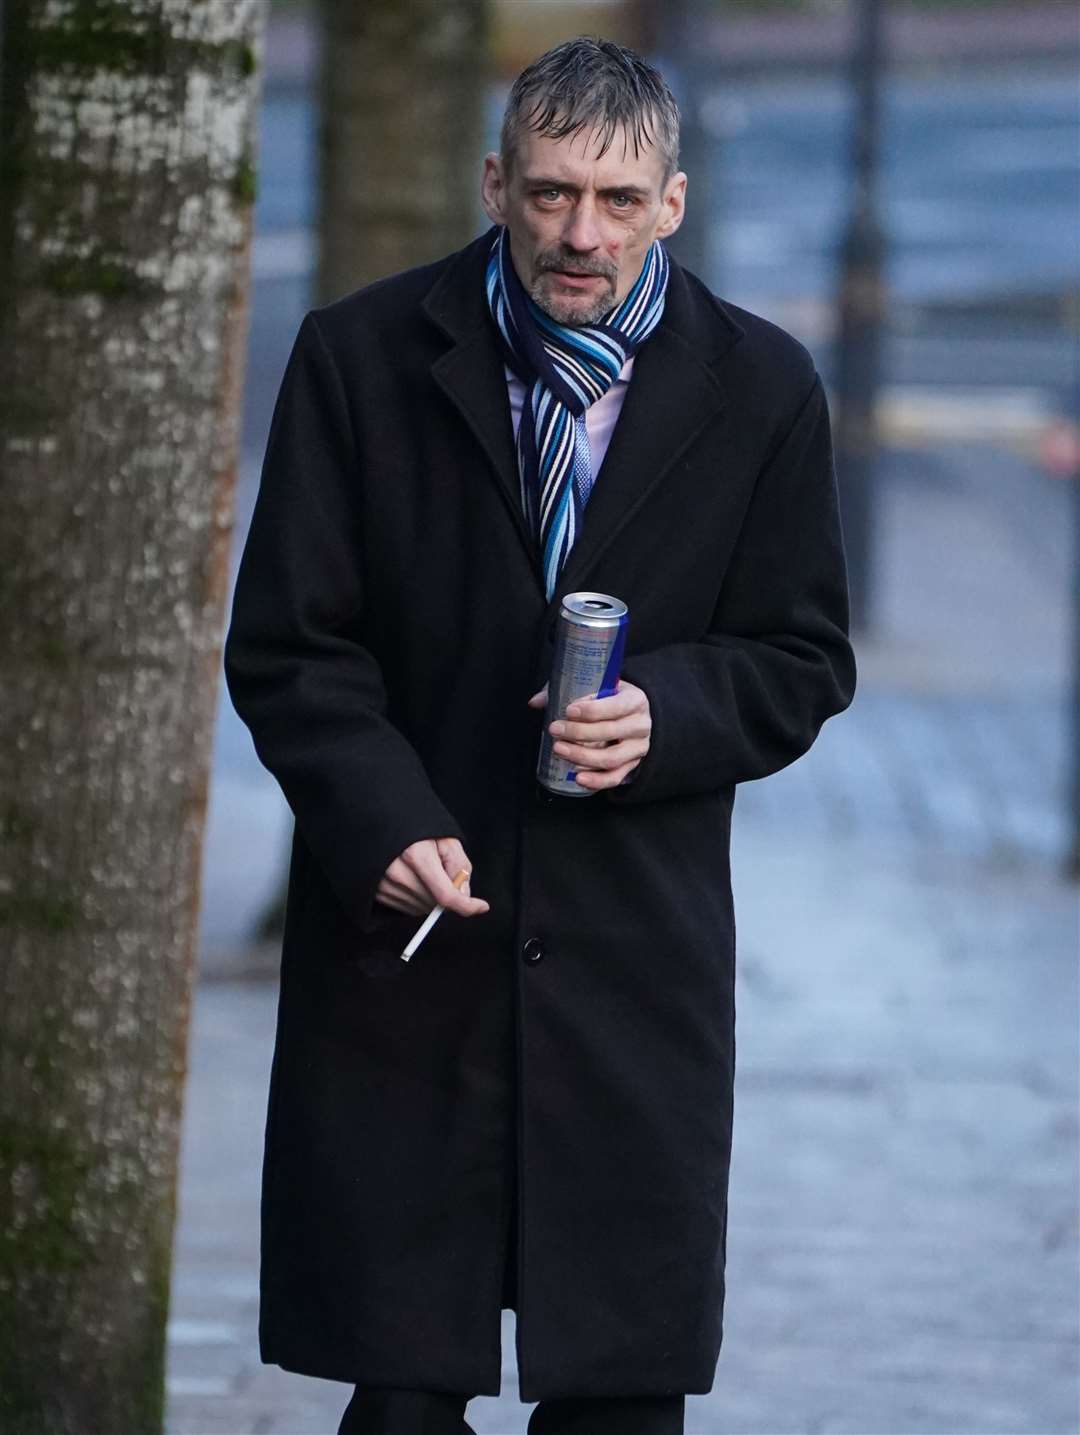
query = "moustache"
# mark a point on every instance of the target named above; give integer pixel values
(551, 262)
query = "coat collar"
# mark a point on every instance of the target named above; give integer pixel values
(674, 393)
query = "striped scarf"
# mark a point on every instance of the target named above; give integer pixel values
(564, 370)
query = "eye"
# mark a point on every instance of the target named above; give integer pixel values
(549, 194)
(622, 201)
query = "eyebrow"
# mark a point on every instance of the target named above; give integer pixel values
(543, 182)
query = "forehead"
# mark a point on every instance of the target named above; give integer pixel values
(576, 158)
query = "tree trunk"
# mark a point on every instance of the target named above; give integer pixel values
(126, 179)
(404, 84)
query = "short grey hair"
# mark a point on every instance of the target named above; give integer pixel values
(589, 83)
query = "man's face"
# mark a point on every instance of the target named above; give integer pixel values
(580, 223)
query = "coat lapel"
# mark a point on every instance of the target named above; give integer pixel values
(472, 377)
(674, 394)
(672, 397)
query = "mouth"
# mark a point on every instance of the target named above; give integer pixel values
(575, 277)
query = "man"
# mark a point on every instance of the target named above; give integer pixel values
(535, 1111)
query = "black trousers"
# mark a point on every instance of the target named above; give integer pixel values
(423, 1412)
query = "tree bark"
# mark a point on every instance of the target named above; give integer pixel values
(403, 89)
(126, 180)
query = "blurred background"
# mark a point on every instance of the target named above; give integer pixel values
(897, 185)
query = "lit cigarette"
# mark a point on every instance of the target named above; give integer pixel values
(431, 918)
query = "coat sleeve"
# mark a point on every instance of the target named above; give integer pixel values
(296, 668)
(752, 694)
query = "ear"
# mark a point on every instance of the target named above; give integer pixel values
(493, 189)
(672, 205)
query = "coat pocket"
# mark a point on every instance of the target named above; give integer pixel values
(376, 950)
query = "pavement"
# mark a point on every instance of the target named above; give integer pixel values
(903, 1254)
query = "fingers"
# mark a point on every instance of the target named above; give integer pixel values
(424, 865)
(402, 889)
(539, 700)
(409, 906)
(602, 759)
(608, 736)
(453, 858)
(597, 781)
(443, 890)
(618, 730)
(637, 724)
(452, 855)
(628, 699)
(626, 714)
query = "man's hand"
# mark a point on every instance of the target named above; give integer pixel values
(604, 738)
(423, 877)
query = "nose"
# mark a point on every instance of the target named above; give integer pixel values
(581, 232)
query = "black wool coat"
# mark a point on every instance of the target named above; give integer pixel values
(388, 627)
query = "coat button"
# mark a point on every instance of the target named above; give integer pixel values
(533, 950)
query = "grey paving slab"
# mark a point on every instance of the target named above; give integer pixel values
(903, 1249)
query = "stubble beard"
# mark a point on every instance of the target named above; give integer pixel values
(572, 311)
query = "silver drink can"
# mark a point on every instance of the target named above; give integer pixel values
(589, 645)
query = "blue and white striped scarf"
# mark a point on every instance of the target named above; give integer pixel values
(564, 370)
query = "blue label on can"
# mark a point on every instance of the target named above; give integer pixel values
(611, 672)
